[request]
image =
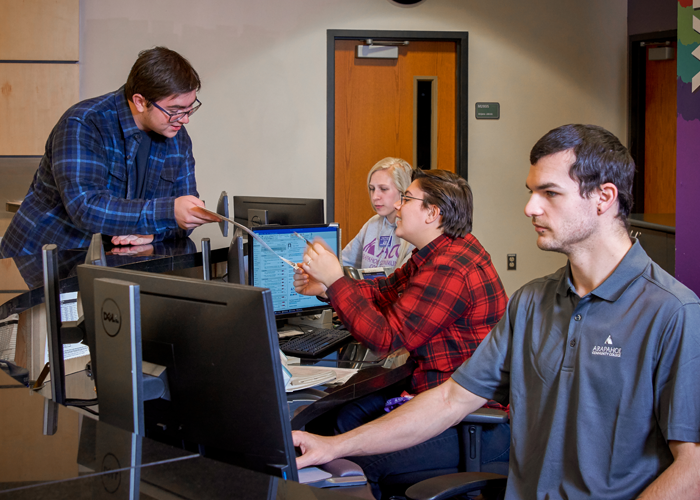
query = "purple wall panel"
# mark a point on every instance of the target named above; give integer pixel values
(688, 149)
(688, 203)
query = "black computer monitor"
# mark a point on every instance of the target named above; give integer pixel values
(280, 211)
(219, 344)
(266, 270)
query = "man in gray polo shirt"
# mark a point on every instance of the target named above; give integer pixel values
(599, 361)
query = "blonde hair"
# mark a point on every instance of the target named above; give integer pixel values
(400, 172)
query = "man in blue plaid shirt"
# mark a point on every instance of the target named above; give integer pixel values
(120, 164)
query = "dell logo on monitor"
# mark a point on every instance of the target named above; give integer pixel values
(110, 315)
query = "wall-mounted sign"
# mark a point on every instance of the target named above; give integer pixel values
(488, 111)
(377, 52)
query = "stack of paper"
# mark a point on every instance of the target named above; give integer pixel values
(308, 376)
(300, 377)
(8, 337)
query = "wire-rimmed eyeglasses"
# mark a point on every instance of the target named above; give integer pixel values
(405, 197)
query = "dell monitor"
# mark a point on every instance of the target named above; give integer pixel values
(258, 211)
(219, 345)
(267, 270)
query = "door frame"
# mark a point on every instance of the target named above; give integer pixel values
(637, 72)
(461, 39)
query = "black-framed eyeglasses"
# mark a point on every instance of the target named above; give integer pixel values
(176, 117)
(405, 197)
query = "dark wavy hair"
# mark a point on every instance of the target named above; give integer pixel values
(452, 195)
(159, 73)
(600, 158)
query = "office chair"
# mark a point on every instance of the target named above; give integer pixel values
(492, 486)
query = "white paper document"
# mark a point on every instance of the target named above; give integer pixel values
(312, 474)
(8, 337)
(69, 312)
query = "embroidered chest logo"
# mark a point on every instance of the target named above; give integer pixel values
(376, 251)
(608, 349)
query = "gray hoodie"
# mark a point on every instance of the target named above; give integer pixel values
(376, 245)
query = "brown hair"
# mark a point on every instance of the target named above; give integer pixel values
(159, 73)
(452, 195)
(600, 158)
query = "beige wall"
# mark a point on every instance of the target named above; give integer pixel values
(262, 129)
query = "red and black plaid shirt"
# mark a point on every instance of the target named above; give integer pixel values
(439, 306)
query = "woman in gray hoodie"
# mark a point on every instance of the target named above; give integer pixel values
(376, 245)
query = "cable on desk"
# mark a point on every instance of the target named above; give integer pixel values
(83, 404)
(80, 403)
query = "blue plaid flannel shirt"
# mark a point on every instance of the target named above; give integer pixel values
(86, 181)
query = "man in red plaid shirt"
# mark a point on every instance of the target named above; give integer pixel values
(439, 306)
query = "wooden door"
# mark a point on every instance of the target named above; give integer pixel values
(374, 117)
(660, 137)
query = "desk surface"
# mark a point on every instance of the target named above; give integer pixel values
(70, 464)
(21, 278)
(363, 383)
(90, 459)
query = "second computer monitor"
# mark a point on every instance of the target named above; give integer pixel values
(219, 344)
(281, 211)
(267, 270)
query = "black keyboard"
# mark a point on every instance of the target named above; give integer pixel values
(317, 342)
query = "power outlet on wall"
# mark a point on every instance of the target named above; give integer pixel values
(512, 260)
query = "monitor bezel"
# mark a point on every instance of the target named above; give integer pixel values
(300, 227)
(278, 207)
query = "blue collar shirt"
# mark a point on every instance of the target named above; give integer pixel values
(598, 384)
(86, 181)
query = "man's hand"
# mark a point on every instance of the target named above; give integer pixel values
(306, 285)
(321, 264)
(140, 250)
(425, 416)
(132, 239)
(317, 450)
(188, 216)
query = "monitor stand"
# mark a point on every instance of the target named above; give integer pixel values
(123, 385)
(257, 217)
(305, 324)
(322, 320)
(236, 262)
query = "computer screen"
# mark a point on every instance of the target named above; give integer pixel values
(266, 270)
(280, 211)
(372, 273)
(219, 344)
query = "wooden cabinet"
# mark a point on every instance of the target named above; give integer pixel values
(33, 96)
(39, 30)
(39, 80)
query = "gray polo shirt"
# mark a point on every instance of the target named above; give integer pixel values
(597, 385)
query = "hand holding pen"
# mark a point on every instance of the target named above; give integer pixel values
(320, 263)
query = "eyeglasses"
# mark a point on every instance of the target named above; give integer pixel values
(405, 197)
(176, 117)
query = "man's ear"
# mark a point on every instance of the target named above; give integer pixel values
(140, 102)
(607, 196)
(433, 214)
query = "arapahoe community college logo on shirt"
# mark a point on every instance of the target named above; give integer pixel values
(608, 349)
